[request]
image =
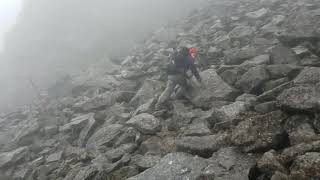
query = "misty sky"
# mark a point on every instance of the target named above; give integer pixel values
(9, 10)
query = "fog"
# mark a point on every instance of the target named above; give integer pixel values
(54, 38)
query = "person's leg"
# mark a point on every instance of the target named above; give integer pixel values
(171, 84)
(184, 88)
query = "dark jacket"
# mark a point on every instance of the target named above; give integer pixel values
(180, 65)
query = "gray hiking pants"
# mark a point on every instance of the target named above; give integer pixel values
(173, 81)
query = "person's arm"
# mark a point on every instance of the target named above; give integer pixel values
(195, 72)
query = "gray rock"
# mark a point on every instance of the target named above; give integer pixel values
(283, 70)
(266, 107)
(301, 51)
(125, 172)
(309, 75)
(241, 31)
(312, 60)
(306, 166)
(274, 83)
(145, 123)
(303, 97)
(149, 90)
(199, 129)
(117, 153)
(260, 133)
(145, 162)
(289, 154)
(104, 136)
(9, 158)
(258, 14)
(103, 100)
(215, 89)
(54, 157)
(272, 94)
(238, 56)
(80, 127)
(249, 99)
(283, 55)
(228, 164)
(174, 166)
(231, 76)
(203, 146)
(253, 79)
(269, 163)
(259, 60)
(146, 108)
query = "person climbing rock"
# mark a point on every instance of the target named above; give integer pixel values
(180, 63)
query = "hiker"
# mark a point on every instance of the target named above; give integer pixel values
(181, 62)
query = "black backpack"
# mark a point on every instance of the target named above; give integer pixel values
(175, 58)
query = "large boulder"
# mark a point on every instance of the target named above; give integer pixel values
(302, 97)
(215, 89)
(229, 164)
(203, 146)
(282, 55)
(145, 123)
(9, 158)
(260, 133)
(306, 166)
(309, 75)
(149, 90)
(174, 166)
(252, 80)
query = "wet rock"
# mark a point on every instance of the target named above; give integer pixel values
(104, 136)
(306, 166)
(214, 89)
(149, 90)
(9, 158)
(145, 123)
(260, 133)
(303, 97)
(253, 79)
(282, 55)
(174, 166)
(203, 146)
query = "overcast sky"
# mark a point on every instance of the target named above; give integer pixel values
(9, 10)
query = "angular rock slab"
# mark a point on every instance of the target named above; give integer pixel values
(105, 136)
(174, 166)
(9, 158)
(306, 166)
(302, 97)
(215, 89)
(260, 133)
(203, 146)
(145, 123)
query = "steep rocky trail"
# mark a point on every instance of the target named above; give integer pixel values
(257, 116)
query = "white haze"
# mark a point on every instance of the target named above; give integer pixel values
(56, 37)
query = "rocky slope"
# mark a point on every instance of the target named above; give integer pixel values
(256, 118)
